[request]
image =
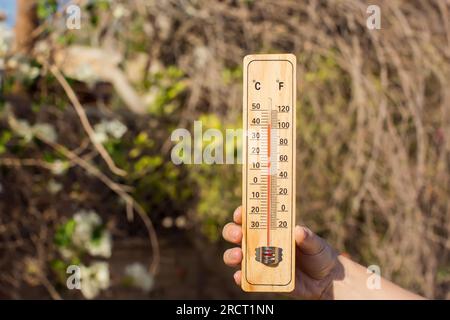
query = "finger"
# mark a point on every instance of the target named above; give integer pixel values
(237, 277)
(307, 241)
(232, 257)
(237, 215)
(232, 233)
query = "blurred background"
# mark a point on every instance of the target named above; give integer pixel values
(87, 107)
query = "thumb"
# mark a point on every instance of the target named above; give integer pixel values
(315, 257)
(307, 241)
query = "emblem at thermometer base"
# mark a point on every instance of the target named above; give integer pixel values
(270, 256)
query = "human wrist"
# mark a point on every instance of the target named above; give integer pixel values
(336, 275)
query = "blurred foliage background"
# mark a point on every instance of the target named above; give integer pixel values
(86, 117)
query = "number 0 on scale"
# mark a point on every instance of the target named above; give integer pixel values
(268, 211)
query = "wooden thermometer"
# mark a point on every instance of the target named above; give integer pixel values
(268, 211)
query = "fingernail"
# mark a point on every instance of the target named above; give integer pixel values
(300, 234)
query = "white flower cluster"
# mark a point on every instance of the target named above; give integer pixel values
(180, 222)
(140, 276)
(94, 279)
(86, 224)
(6, 38)
(25, 70)
(106, 129)
(120, 11)
(53, 186)
(59, 167)
(46, 130)
(90, 235)
(27, 131)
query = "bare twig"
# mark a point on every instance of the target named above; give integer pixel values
(16, 162)
(85, 121)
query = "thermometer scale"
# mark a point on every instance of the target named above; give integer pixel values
(268, 214)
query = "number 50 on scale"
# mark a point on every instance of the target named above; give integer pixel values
(268, 210)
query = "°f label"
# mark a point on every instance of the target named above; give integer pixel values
(268, 209)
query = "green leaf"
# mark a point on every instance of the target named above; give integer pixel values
(147, 162)
(63, 235)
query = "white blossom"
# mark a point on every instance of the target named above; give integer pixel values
(6, 38)
(101, 247)
(86, 223)
(94, 279)
(181, 222)
(105, 129)
(167, 222)
(24, 130)
(27, 131)
(59, 167)
(100, 136)
(46, 130)
(116, 128)
(140, 276)
(120, 11)
(54, 186)
(29, 71)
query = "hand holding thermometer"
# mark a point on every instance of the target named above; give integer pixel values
(269, 173)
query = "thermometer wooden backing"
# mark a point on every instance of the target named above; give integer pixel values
(268, 211)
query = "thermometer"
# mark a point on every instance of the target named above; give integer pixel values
(268, 211)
